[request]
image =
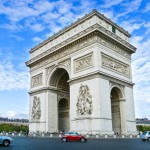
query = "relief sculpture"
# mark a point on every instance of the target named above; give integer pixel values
(84, 62)
(84, 101)
(115, 65)
(36, 80)
(36, 108)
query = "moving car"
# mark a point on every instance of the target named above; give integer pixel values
(145, 136)
(72, 136)
(5, 140)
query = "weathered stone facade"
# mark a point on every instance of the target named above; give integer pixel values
(81, 79)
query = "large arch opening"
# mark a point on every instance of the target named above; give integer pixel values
(59, 81)
(116, 95)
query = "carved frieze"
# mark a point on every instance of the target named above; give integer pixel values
(115, 65)
(89, 40)
(36, 80)
(84, 101)
(113, 47)
(36, 108)
(83, 63)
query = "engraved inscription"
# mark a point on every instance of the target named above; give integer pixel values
(36, 80)
(115, 65)
(84, 62)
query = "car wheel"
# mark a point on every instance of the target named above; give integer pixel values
(143, 139)
(64, 139)
(82, 139)
(6, 143)
(148, 139)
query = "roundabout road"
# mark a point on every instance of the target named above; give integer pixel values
(32, 143)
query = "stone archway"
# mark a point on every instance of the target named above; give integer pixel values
(116, 96)
(59, 81)
(63, 115)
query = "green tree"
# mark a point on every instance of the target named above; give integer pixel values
(13, 127)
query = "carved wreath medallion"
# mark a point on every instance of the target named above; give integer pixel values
(84, 101)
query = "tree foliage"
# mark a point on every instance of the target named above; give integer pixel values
(143, 128)
(13, 127)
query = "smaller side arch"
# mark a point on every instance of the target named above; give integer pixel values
(54, 69)
(119, 90)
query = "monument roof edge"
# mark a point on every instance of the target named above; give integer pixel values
(86, 16)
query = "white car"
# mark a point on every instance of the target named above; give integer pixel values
(145, 136)
(5, 140)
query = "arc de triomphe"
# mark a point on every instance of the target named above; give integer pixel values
(81, 79)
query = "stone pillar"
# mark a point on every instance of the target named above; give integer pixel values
(52, 112)
(123, 116)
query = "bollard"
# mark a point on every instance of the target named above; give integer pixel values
(106, 136)
(122, 135)
(51, 135)
(87, 136)
(34, 134)
(19, 134)
(130, 135)
(13, 134)
(96, 135)
(6, 134)
(42, 134)
(138, 136)
(114, 135)
(60, 135)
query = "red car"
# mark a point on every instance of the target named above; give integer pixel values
(72, 136)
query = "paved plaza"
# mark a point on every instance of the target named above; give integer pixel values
(32, 143)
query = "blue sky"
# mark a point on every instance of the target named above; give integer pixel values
(25, 23)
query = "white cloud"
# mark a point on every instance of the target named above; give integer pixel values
(147, 8)
(110, 3)
(18, 38)
(12, 26)
(130, 7)
(15, 114)
(10, 78)
(141, 76)
(37, 39)
(131, 25)
(36, 27)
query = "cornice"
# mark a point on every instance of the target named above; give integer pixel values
(76, 38)
(46, 89)
(80, 20)
(99, 74)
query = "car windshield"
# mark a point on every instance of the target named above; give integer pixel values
(144, 133)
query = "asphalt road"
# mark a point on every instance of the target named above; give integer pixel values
(29, 143)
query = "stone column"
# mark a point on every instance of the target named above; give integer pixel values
(123, 115)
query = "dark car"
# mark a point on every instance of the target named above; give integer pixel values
(72, 136)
